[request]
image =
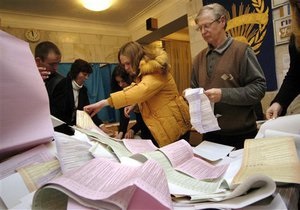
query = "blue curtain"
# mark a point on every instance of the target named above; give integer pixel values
(255, 17)
(98, 86)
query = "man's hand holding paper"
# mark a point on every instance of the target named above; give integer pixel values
(201, 112)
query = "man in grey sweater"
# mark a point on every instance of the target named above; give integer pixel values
(229, 72)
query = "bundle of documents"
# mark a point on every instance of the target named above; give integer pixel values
(24, 173)
(282, 127)
(202, 115)
(108, 185)
(273, 157)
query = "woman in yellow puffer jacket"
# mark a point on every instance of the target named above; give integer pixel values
(164, 111)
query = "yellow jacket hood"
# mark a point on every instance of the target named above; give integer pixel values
(155, 61)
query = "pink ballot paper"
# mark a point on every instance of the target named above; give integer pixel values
(24, 107)
(182, 158)
(103, 184)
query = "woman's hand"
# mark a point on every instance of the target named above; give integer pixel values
(129, 134)
(119, 135)
(273, 111)
(93, 109)
(127, 110)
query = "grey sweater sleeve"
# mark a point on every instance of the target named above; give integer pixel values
(252, 83)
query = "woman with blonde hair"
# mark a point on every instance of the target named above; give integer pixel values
(163, 110)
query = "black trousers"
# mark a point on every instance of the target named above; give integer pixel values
(236, 141)
(185, 136)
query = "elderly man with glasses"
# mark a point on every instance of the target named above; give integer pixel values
(233, 80)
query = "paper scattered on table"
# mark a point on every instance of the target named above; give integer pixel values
(56, 122)
(84, 120)
(109, 185)
(276, 203)
(11, 197)
(212, 151)
(139, 145)
(181, 156)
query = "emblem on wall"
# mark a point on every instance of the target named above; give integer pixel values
(249, 25)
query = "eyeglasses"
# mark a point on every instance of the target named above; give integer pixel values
(206, 26)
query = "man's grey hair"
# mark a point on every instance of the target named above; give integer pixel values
(216, 9)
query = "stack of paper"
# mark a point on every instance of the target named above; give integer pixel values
(107, 185)
(282, 126)
(273, 157)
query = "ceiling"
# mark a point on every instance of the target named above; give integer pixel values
(122, 12)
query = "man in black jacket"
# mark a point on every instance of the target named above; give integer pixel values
(290, 87)
(47, 57)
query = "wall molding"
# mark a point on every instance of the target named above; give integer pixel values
(23, 20)
(164, 11)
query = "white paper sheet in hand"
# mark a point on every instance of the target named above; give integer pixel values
(202, 116)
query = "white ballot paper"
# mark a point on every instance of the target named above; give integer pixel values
(288, 124)
(212, 151)
(56, 122)
(202, 115)
(18, 189)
